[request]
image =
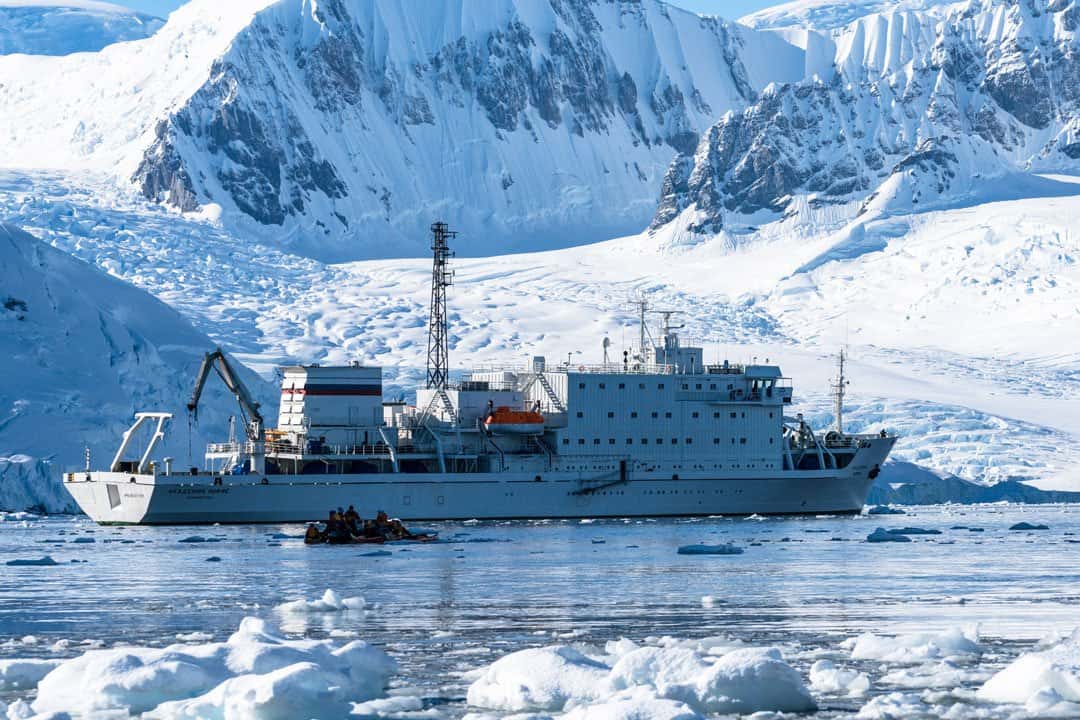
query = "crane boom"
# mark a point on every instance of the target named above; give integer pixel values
(216, 360)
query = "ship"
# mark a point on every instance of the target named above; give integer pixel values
(656, 432)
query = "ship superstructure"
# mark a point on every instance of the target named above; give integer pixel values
(656, 432)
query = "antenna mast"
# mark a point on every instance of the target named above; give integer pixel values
(838, 388)
(438, 363)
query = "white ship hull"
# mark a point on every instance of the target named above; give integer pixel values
(125, 498)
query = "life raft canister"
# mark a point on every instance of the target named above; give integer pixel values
(504, 421)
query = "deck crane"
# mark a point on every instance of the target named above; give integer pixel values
(216, 360)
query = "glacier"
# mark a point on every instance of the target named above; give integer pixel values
(63, 27)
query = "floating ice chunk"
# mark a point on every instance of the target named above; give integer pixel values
(328, 603)
(388, 706)
(825, 677)
(18, 674)
(752, 680)
(1057, 669)
(885, 510)
(636, 704)
(1028, 526)
(253, 674)
(944, 674)
(1047, 703)
(45, 561)
(195, 636)
(671, 671)
(883, 535)
(19, 710)
(710, 550)
(708, 601)
(892, 707)
(538, 679)
(915, 647)
(913, 531)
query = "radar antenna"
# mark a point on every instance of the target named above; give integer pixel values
(438, 365)
(641, 304)
(838, 387)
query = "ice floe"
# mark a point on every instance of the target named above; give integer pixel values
(826, 677)
(915, 647)
(710, 550)
(328, 603)
(1032, 677)
(665, 681)
(21, 674)
(883, 535)
(255, 673)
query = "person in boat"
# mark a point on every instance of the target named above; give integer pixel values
(336, 531)
(313, 534)
(352, 520)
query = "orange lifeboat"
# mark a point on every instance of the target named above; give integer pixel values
(504, 421)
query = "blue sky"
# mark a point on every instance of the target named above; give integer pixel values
(727, 8)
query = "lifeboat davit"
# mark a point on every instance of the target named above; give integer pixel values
(504, 421)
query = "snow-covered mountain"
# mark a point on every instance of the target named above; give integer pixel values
(82, 353)
(917, 110)
(344, 127)
(62, 27)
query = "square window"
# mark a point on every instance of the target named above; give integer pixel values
(659, 441)
(660, 386)
(655, 414)
(667, 415)
(629, 441)
(733, 415)
(611, 441)
(596, 441)
(603, 386)
(674, 441)
(641, 386)
(581, 386)
(611, 414)
(566, 441)
(770, 415)
(687, 387)
(716, 414)
(622, 386)
(712, 386)
(633, 414)
(695, 415)
(698, 386)
(581, 441)
(580, 414)
(730, 387)
(644, 441)
(716, 441)
(742, 441)
(689, 441)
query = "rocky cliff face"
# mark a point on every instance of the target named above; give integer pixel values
(348, 125)
(917, 109)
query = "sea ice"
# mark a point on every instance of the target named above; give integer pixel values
(328, 603)
(884, 510)
(893, 707)
(20, 674)
(1056, 669)
(560, 678)
(825, 677)
(710, 550)
(538, 679)
(636, 704)
(883, 535)
(255, 673)
(915, 647)
(45, 561)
